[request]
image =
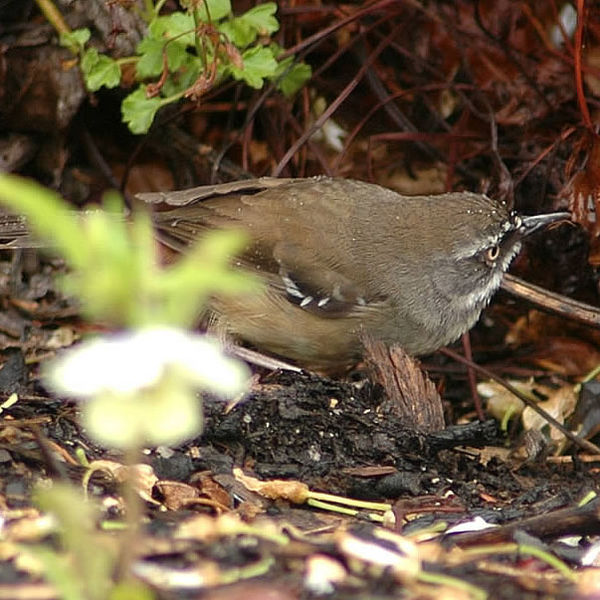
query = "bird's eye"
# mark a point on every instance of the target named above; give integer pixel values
(492, 253)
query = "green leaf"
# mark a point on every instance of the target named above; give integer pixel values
(115, 270)
(130, 590)
(204, 268)
(99, 70)
(92, 555)
(150, 63)
(261, 18)
(177, 25)
(47, 213)
(151, 50)
(239, 32)
(59, 571)
(259, 63)
(75, 39)
(185, 77)
(290, 79)
(138, 110)
(218, 9)
(244, 30)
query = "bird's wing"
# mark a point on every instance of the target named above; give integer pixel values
(305, 267)
(15, 233)
(203, 192)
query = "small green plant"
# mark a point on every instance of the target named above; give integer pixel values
(139, 386)
(186, 53)
(83, 565)
(116, 271)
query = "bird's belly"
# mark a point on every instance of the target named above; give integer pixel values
(273, 324)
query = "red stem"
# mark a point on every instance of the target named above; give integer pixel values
(585, 113)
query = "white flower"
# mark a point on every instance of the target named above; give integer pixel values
(141, 386)
(127, 362)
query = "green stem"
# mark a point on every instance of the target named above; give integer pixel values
(439, 579)
(133, 515)
(159, 6)
(549, 559)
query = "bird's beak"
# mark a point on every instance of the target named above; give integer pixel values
(532, 223)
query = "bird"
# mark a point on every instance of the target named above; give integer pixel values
(341, 259)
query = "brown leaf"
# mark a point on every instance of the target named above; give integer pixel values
(176, 495)
(294, 491)
(584, 189)
(410, 394)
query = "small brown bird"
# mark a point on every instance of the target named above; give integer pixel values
(341, 258)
